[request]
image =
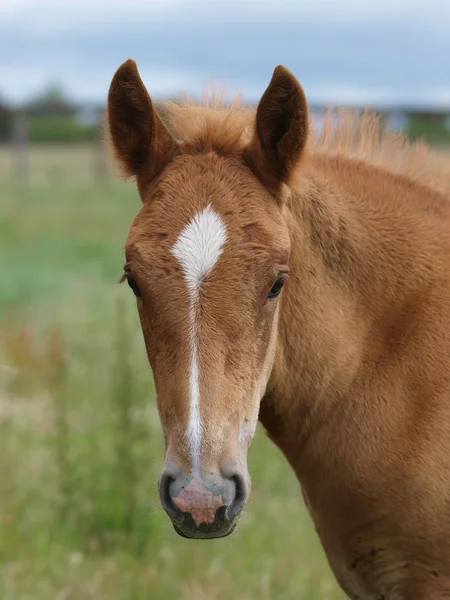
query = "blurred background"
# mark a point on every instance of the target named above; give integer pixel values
(80, 441)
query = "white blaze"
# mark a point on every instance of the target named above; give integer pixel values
(198, 248)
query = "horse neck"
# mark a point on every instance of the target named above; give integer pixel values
(355, 268)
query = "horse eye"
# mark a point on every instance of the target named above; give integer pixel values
(133, 285)
(276, 288)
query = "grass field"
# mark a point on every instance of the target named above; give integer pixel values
(80, 441)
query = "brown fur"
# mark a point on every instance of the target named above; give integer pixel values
(358, 391)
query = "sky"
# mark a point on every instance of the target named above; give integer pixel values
(359, 52)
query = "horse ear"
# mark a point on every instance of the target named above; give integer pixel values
(281, 130)
(141, 143)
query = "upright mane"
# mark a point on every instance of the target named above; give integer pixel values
(215, 125)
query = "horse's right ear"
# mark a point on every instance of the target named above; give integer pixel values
(281, 129)
(141, 143)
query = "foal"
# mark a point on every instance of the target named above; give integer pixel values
(304, 280)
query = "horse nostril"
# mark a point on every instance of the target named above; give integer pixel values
(166, 498)
(240, 495)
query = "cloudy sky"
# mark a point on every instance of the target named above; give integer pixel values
(374, 52)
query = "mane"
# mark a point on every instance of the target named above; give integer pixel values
(215, 125)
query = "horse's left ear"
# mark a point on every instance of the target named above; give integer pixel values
(141, 142)
(281, 130)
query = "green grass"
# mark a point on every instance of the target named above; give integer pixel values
(80, 440)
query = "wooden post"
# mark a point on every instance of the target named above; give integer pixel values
(100, 155)
(20, 145)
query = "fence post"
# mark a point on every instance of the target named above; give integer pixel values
(100, 155)
(20, 145)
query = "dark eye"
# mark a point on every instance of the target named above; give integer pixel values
(133, 285)
(276, 288)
